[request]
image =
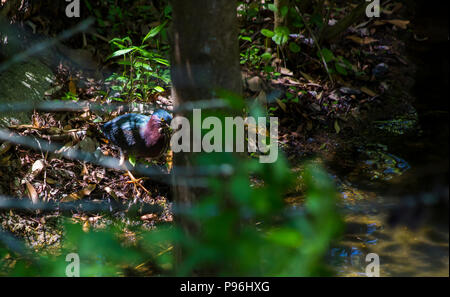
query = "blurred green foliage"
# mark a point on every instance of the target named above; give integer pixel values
(245, 231)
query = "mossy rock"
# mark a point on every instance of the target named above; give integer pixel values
(23, 82)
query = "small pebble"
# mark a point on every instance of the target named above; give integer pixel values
(380, 70)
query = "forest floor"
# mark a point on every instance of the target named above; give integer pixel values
(363, 127)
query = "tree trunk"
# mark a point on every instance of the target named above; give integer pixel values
(204, 58)
(280, 20)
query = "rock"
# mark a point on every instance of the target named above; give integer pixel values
(255, 84)
(24, 82)
(349, 91)
(88, 145)
(380, 70)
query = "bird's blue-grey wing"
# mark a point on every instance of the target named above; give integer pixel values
(124, 130)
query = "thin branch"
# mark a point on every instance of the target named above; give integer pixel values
(145, 108)
(108, 206)
(81, 27)
(196, 177)
(316, 42)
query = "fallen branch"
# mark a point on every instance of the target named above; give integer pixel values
(331, 32)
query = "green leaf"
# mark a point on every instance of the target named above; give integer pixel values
(161, 61)
(281, 35)
(272, 7)
(340, 69)
(159, 89)
(121, 41)
(266, 56)
(120, 53)
(295, 48)
(269, 69)
(327, 55)
(153, 32)
(286, 237)
(132, 160)
(146, 53)
(284, 11)
(267, 33)
(246, 38)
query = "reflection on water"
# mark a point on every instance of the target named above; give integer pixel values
(402, 252)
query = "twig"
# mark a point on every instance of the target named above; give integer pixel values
(196, 177)
(46, 44)
(313, 36)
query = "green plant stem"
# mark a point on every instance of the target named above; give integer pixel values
(313, 36)
(131, 77)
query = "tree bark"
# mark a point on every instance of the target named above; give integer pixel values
(204, 58)
(280, 20)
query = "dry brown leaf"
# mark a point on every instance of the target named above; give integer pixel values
(319, 96)
(86, 226)
(50, 181)
(397, 7)
(5, 160)
(337, 127)
(37, 167)
(84, 171)
(4, 147)
(80, 194)
(111, 192)
(403, 24)
(255, 84)
(20, 127)
(286, 71)
(72, 86)
(32, 193)
(254, 129)
(261, 99)
(362, 41)
(169, 160)
(282, 105)
(36, 123)
(292, 81)
(65, 148)
(368, 91)
(54, 131)
(309, 78)
(148, 217)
